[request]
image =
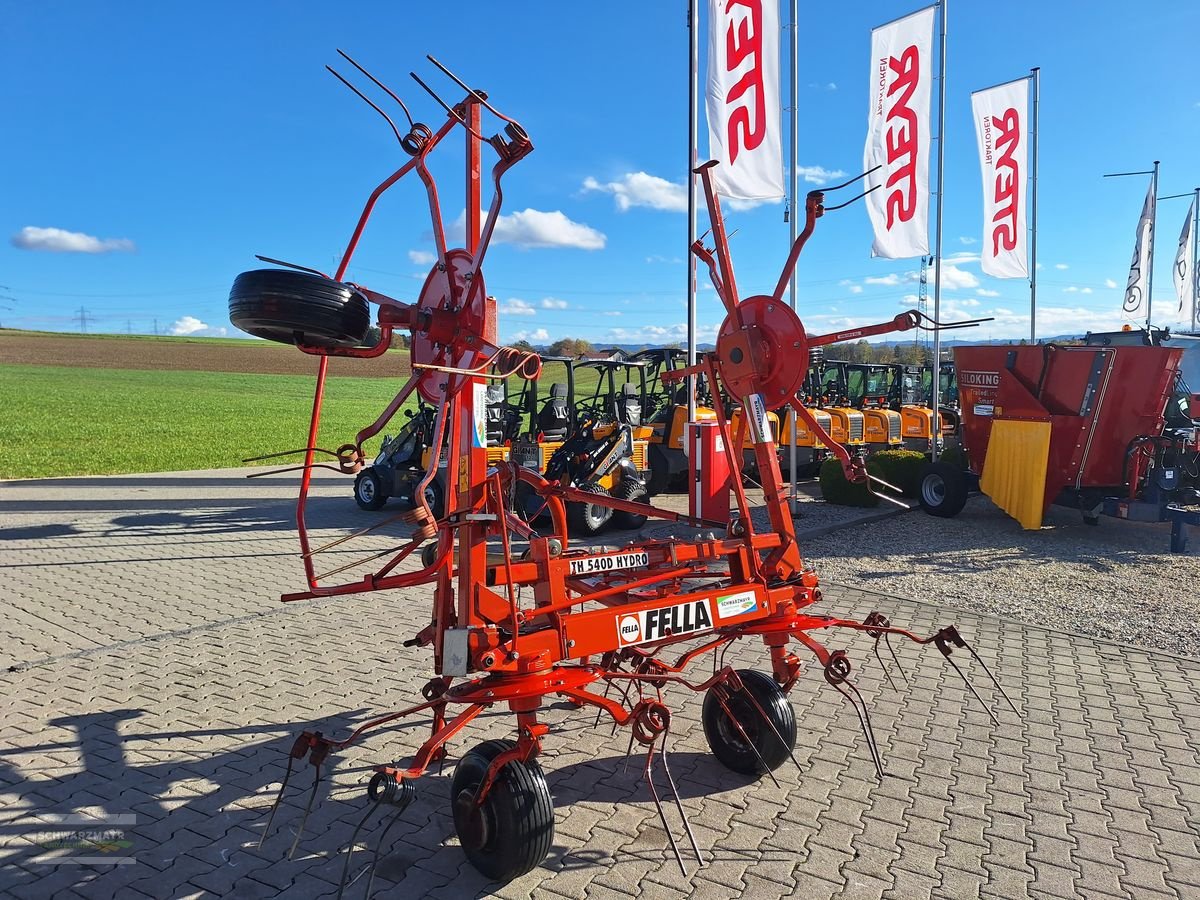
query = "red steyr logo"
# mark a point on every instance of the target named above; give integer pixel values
(1008, 138)
(747, 124)
(902, 137)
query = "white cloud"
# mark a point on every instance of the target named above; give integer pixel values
(855, 288)
(58, 240)
(962, 257)
(538, 335)
(968, 240)
(651, 334)
(1071, 290)
(832, 86)
(422, 257)
(1061, 266)
(1109, 283)
(819, 174)
(656, 258)
(190, 325)
(891, 280)
(953, 278)
(1085, 290)
(516, 307)
(641, 189)
(984, 292)
(553, 303)
(610, 312)
(533, 228)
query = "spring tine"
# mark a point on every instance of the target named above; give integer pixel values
(971, 687)
(380, 84)
(852, 199)
(883, 666)
(679, 803)
(278, 798)
(887, 639)
(662, 814)
(474, 93)
(312, 795)
(375, 855)
(628, 753)
(350, 849)
(600, 710)
(625, 701)
(864, 720)
(838, 187)
(290, 265)
(396, 131)
(984, 665)
(742, 731)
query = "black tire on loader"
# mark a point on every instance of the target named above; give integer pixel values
(588, 519)
(943, 490)
(293, 307)
(629, 489)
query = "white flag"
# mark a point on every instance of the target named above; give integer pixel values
(1185, 263)
(898, 135)
(1001, 134)
(744, 127)
(1143, 253)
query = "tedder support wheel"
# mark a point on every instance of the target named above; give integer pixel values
(761, 696)
(588, 519)
(943, 490)
(511, 832)
(629, 489)
(294, 307)
(368, 490)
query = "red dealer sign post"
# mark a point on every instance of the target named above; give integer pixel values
(709, 472)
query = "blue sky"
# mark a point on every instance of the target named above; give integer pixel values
(183, 139)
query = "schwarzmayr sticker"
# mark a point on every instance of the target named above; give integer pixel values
(736, 604)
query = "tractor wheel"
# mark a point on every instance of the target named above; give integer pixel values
(943, 490)
(435, 496)
(294, 307)
(629, 489)
(773, 738)
(368, 490)
(588, 519)
(511, 832)
(659, 481)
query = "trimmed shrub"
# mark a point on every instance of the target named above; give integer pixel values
(901, 468)
(836, 489)
(955, 456)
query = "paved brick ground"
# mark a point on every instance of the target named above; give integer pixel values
(151, 672)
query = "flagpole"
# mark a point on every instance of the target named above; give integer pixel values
(935, 381)
(1037, 91)
(795, 214)
(1153, 235)
(693, 65)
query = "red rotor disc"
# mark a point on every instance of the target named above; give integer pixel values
(443, 341)
(762, 348)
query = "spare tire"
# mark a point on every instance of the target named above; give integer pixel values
(293, 307)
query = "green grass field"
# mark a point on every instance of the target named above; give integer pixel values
(65, 421)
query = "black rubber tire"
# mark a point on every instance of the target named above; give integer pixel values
(369, 493)
(293, 307)
(942, 490)
(628, 489)
(435, 495)
(727, 743)
(515, 827)
(588, 519)
(659, 481)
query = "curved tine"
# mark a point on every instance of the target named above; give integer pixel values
(852, 199)
(470, 90)
(353, 837)
(887, 639)
(304, 818)
(762, 712)
(749, 743)
(662, 813)
(999, 686)
(679, 803)
(290, 452)
(838, 187)
(375, 855)
(383, 87)
(450, 111)
(289, 265)
(295, 469)
(390, 520)
(967, 681)
(883, 666)
(278, 797)
(369, 102)
(864, 720)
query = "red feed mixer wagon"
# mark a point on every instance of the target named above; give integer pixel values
(1106, 427)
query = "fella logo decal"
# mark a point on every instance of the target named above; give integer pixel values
(691, 617)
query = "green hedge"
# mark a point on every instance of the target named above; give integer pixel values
(836, 489)
(901, 468)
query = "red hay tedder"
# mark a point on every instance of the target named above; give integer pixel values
(518, 615)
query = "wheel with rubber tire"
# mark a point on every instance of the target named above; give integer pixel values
(659, 481)
(761, 744)
(293, 307)
(588, 518)
(942, 490)
(368, 490)
(435, 496)
(629, 489)
(510, 833)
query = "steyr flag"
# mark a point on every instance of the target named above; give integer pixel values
(1143, 252)
(1000, 132)
(898, 135)
(744, 128)
(1184, 269)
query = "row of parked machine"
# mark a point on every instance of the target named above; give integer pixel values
(615, 425)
